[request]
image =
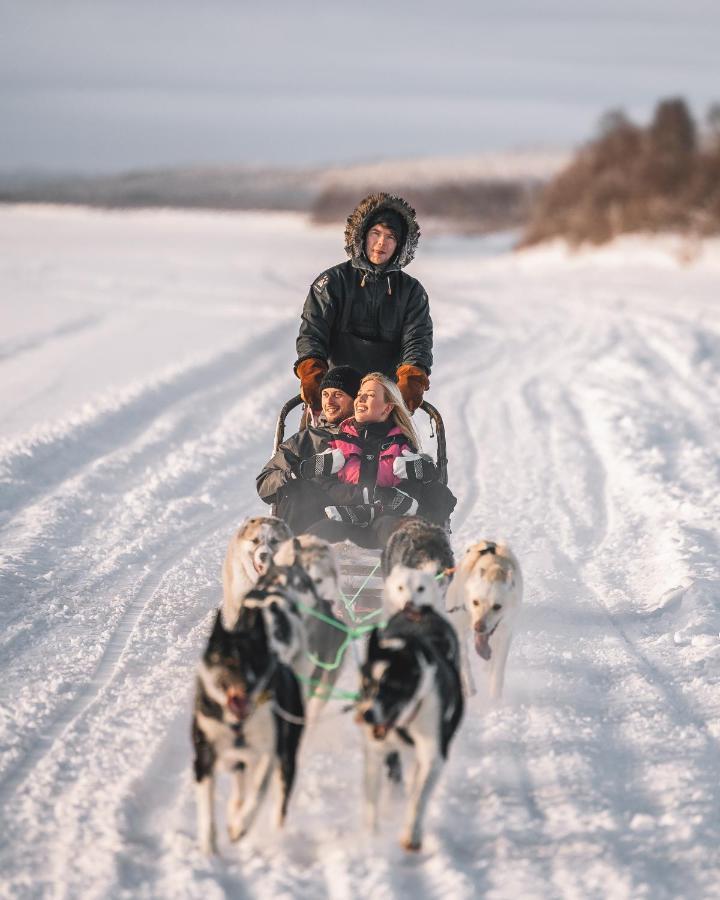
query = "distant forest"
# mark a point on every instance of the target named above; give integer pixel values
(664, 177)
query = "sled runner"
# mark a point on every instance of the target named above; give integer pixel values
(360, 568)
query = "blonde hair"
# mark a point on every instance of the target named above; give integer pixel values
(400, 413)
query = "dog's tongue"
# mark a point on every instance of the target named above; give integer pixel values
(237, 705)
(482, 645)
(379, 732)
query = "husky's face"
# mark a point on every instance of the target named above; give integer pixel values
(317, 558)
(489, 592)
(391, 678)
(236, 664)
(292, 581)
(406, 587)
(258, 539)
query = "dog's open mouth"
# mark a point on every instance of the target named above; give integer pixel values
(380, 731)
(238, 704)
(482, 644)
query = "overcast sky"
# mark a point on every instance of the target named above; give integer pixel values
(101, 85)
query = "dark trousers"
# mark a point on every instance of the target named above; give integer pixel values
(301, 503)
(373, 536)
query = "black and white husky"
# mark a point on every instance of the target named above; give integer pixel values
(247, 720)
(410, 698)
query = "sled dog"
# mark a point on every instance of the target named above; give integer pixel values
(247, 719)
(418, 544)
(483, 601)
(319, 560)
(406, 588)
(324, 639)
(410, 697)
(279, 594)
(248, 556)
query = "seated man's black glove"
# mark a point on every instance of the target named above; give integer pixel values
(328, 463)
(396, 502)
(415, 467)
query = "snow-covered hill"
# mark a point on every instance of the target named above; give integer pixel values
(144, 357)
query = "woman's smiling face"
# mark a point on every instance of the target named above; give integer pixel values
(370, 403)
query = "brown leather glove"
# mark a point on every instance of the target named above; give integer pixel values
(311, 372)
(413, 382)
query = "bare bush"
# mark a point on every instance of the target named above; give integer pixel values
(632, 179)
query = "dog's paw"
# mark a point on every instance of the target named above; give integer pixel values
(411, 845)
(208, 845)
(237, 829)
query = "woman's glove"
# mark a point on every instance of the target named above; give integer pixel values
(327, 463)
(395, 502)
(413, 382)
(414, 467)
(311, 372)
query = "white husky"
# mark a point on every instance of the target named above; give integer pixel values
(249, 555)
(484, 600)
(415, 587)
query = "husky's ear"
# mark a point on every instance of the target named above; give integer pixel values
(286, 553)
(218, 627)
(373, 651)
(219, 632)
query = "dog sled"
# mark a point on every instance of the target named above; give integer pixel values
(361, 579)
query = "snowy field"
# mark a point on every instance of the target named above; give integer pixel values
(143, 359)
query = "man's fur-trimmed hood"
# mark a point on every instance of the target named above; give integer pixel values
(357, 224)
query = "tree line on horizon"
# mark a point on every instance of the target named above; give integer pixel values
(658, 178)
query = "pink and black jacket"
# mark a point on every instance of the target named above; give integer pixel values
(370, 450)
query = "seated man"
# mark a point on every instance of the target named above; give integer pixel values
(286, 478)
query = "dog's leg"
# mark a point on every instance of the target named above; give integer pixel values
(466, 675)
(237, 791)
(373, 776)
(205, 795)
(240, 823)
(315, 706)
(503, 638)
(429, 765)
(288, 749)
(205, 790)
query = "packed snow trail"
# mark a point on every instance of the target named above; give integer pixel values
(145, 358)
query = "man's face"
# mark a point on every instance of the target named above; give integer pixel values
(336, 405)
(380, 244)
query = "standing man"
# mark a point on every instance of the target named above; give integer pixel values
(286, 479)
(367, 312)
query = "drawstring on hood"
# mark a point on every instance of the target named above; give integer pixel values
(365, 274)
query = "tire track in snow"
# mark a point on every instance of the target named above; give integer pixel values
(10, 350)
(116, 642)
(34, 466)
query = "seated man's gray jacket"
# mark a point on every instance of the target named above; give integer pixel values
(303, 445)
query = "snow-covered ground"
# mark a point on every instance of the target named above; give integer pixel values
(144, 357)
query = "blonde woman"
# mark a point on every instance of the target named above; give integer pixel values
(383, 475)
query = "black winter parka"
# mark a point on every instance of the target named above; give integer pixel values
(370, 317)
